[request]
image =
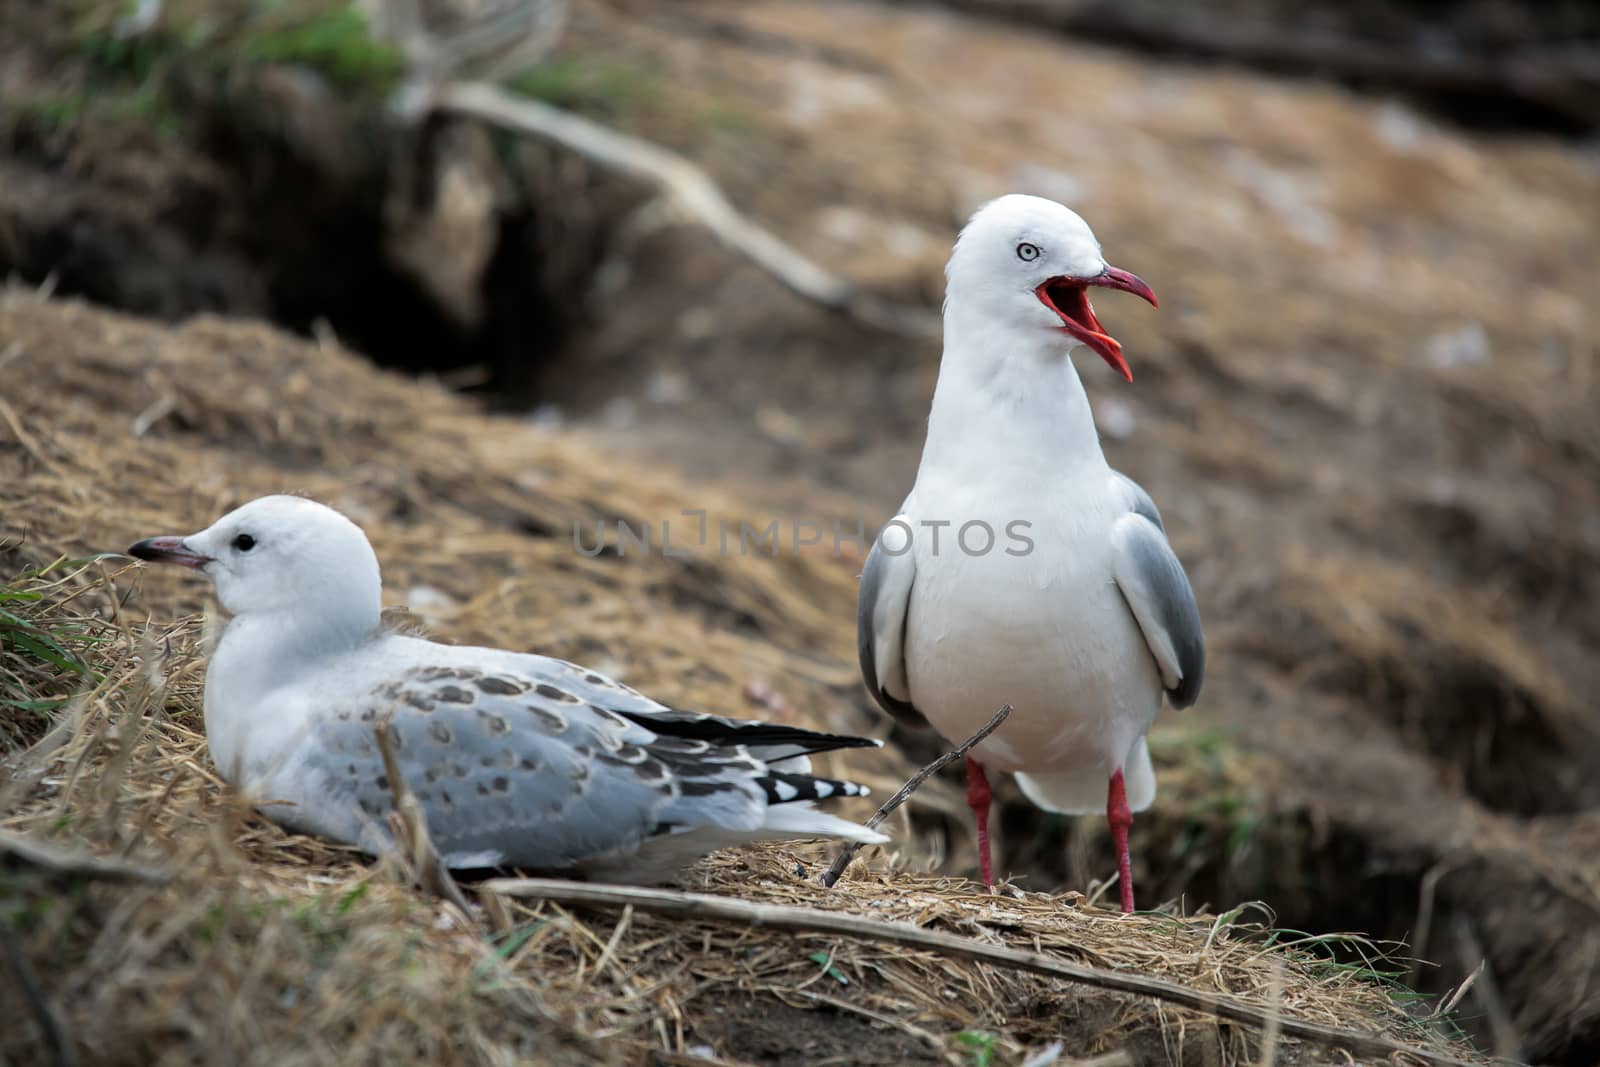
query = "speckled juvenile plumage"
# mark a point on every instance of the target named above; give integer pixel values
(518, 760)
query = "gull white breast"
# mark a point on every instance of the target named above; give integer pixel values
(1077, 613)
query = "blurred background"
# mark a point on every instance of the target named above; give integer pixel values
(1366, 406)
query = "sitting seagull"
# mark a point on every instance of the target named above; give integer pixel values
(1052, 587)
(518, 760)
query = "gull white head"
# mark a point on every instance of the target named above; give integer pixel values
(283, 555)
(1029, 262)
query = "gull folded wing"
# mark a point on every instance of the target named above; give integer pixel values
(1157, 591)
(881, 607)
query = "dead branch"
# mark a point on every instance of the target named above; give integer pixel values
(841, 861)
(691, 191)
(1503, 1031)
(409, 823)
(702, 907)
(1274, 1027)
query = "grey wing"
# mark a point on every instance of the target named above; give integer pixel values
(881, 609)
(517, 773)
(1157, 591)
(513, 769)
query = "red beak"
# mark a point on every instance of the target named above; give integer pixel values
(168, 550)
(1069, 298)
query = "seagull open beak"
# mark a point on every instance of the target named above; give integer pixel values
(1069, 298)
(168, 550)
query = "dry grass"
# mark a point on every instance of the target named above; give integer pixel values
(269, 947)
(266, 947)
(1395, 557)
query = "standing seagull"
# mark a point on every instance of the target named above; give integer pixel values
(1053, 588)
(518, 760)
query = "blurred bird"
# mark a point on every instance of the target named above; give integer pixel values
(518, 760)
(1052, 587)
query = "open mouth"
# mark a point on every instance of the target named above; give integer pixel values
(1069, 299)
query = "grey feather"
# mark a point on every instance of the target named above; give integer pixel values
(881, 606)
(518, 768)
(1157, 591)
(766, 741)
(1139, 501)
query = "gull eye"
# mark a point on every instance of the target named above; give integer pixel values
(244, 542)
(1027, 252)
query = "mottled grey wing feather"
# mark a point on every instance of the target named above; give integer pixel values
(1157, 591)
(881, 607)
(526, 773)
(587, 685)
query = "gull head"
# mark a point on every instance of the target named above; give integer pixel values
(1030, 262)
(282, 554)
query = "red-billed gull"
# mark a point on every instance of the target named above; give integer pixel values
(1052, 587)
(518, 760)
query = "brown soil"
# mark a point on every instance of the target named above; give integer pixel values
(1365, 408)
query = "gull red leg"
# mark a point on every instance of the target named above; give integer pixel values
(978, 800)
(1121, 820)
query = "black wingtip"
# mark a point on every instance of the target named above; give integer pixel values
(749, 732)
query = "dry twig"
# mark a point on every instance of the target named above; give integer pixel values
(840, 862)
(1507, 1042)
(700, 906)
(1274, 1027)
(410, 825)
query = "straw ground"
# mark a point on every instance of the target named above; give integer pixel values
(206, 934)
